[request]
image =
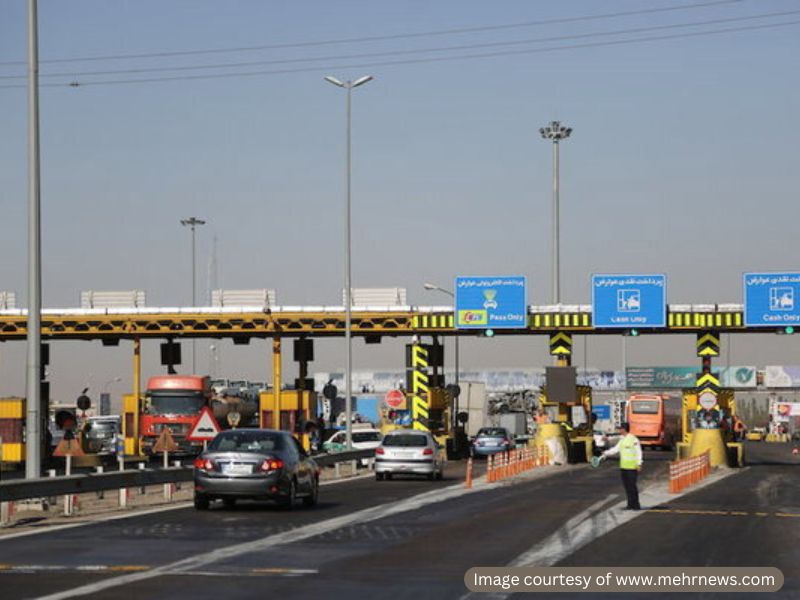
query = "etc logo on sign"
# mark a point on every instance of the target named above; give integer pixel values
(781, 298)
(489, 297)
(629, 300)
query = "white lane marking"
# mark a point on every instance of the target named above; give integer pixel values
(140, 513)
(226, 553)
(591, 524)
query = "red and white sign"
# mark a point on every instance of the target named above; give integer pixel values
(205, 428)
(395, 399)
(707, 400)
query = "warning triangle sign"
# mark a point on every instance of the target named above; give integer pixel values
(165, 442)
(205, 428)
(68, 447)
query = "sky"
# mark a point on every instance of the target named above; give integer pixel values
(682, 160)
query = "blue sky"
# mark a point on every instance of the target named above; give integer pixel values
(682, 160)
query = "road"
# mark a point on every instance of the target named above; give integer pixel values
(416, 539)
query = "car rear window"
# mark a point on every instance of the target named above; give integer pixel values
(367, 436)
(246, 441)
(492, 432)
(406, 440)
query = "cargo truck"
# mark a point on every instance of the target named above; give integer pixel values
(176, 401)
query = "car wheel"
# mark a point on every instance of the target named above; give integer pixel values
(287, 502)
(229, 503)
(313, 497)
(378, 476)
(201, 502)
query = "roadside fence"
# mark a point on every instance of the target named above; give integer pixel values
(688, 471)
(508, 464)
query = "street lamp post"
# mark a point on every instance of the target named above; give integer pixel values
(435, 288)
(348, 85)
(193, 222)
(555, 132)
(105, 397)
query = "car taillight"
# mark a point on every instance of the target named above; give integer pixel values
(379, 451)
(271, 464)
(505, 442)
(427, 451)
(206, 464)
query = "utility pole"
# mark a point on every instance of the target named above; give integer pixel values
(33, 382)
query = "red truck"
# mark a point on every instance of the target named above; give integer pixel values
(173, 401)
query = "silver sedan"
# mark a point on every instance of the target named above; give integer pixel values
(409, 452)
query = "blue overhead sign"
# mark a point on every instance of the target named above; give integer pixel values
(629, 301)
(491, 303)
(771, 299)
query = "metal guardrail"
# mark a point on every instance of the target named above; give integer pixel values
(44, 487)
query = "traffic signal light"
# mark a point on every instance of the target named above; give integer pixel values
(788, 330)
(633, 332)
(489, 333)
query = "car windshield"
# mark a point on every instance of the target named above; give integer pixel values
(644, 407)
(406, 440)
(366, 436)
(102, 427)
(492, 432)
(246, 441)
(175, 403)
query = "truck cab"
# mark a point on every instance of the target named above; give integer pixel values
(173, 402)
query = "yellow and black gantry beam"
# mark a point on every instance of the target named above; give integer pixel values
(244, 323)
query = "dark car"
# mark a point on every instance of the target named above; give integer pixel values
(256, 464)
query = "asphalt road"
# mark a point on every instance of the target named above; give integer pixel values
(354, 545)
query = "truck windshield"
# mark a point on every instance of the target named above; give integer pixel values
(180, 402)
(645, 407)
(101, 428)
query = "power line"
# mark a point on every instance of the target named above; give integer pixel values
(381, 38)
(412, 51)
(419, 60)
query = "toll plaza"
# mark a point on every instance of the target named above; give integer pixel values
(290, 408)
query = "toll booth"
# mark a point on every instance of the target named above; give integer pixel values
(12, 432)
(731, 452)
(569, 405)
(296, 408)
(130, 424)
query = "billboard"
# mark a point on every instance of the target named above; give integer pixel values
(659, 378)
(781, 376)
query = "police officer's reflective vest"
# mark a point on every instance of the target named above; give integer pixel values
(627, 452)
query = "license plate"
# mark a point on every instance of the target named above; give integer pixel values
(405, 454)
(491, 442)
(238, 469)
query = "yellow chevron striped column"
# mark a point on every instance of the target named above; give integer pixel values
(417, 363)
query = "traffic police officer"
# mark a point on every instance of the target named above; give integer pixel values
(630, 463)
